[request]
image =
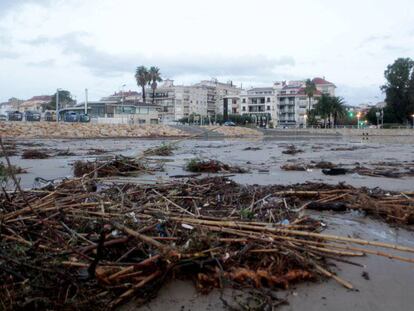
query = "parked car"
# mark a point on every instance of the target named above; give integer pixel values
(229, 123)
(71, 116)
(84, 118)
(50, 116)
(3, 117)
(15, 116)
(32, 116)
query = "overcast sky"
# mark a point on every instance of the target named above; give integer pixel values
(97, 44)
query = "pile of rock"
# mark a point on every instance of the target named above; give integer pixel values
(235, 131)
(85, 130)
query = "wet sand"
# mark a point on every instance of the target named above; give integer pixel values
(390, 282)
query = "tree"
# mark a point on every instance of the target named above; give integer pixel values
(323, 107)
(154, 78)
(310, 90)
(65, 99)
(330, 108)
(142, 77)
(337, 109)
(399, 89)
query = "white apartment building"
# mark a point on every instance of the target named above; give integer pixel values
(260, 103)
(293, 102)
(283, 104)
(216, 91)
(204, 98)
(179, 101)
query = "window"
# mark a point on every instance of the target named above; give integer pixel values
(244, 100)
(262, 100)
(268, 99)
(268, 107)
(244, 108)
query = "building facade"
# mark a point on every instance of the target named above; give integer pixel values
(260, 104)
(216, 92)
(294, 103)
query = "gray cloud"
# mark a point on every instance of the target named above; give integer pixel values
(395, 48)
(105, 64)
(8, 55)
(7, 5)
(373, 38)
(43, 63)
(360, 95)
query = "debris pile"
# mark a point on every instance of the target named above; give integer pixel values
(73, 248)
(304, 167)
(35, 154)
(96, 151)
(118, 166)
(212, 166)
(10, 149)
(65, 153)
(163, 150)
(292, 150)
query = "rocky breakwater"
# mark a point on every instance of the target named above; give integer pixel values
(84, 130)
(234, 131)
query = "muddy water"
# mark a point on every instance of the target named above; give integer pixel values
(264, 164)
(390, 282)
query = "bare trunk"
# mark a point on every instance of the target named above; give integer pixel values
(143, 93)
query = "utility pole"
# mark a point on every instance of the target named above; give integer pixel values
(57, 105)
(86, 101)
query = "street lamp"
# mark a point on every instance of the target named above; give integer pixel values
(122, 97)
(378, 114)
(305, 118)
(358, 116)
(413, 120)
(57, 105)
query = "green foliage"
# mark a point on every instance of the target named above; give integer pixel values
(329, 108)
(142, 76)
(65, 99)
(310, 89)
(154, 78)
(246, 214)
(236, 118)
(193, 165)
(399, 90)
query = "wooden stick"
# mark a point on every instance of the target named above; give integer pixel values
(233, 224)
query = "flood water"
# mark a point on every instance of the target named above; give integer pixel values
(263, 164)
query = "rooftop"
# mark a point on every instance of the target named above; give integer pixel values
(321, 81)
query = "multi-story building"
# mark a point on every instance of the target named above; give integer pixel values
(260, 103)
(180, 101)
(216, 91)
(294, 103)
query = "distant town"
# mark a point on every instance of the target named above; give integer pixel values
(283, 104)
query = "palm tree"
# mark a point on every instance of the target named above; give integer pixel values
(310, 90)
(142, 77)
(323, 108)
(338, 108)
(154, 77)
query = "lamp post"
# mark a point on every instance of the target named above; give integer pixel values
(413, 119)
(57, 105)
(378, 114)
(305, 118)
(358, 116)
